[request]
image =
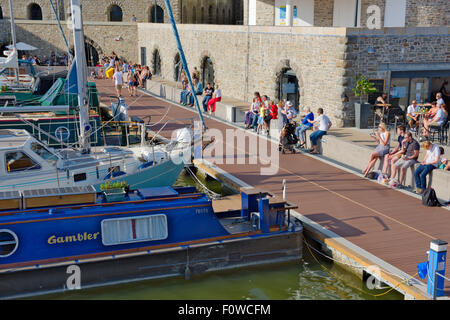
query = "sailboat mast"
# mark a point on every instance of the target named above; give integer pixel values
(80, 60)
(183, 60)
(13, 36)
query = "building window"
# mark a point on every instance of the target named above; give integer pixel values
(44, 153)
(79, 177)
(143, 56)
(202, 18)
(8, 243)
(156, 62)
(134, 229)
(34, 12)
(156, 14)
(19, 161)
(1, 13)
(115, 13)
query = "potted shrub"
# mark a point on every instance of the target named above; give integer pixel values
(362, 109)
(115, 191)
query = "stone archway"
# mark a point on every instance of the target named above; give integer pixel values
(177, 67)
(207, 72)
(156, 62)
(288, 76)
(93, 51)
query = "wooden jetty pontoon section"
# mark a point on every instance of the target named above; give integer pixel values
(368, 223)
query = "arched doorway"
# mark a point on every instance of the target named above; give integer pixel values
(207, 72)
(287, 87)
(156, 14)
(194, 15)
(210, 15)
(115, 13)
(34, 12)
(184, 15)
(156, 63)
(177, 67)
(91, 54)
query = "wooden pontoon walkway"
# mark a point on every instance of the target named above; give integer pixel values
(388, 224)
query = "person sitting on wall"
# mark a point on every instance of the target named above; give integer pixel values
(324, 124)
(382, 136)
(431, 162)
(411, 149)
(305, 125)
(217, 97)
(251, 114)
(396, 153)
(208, 91)
(198, 90)
(272, 113)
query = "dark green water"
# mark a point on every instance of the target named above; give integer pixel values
(302, 280)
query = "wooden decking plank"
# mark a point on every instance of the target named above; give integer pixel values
(389, 224)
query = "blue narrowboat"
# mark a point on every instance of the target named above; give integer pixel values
(52, 240)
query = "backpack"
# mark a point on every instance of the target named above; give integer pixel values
(430, 199)
(373, 175)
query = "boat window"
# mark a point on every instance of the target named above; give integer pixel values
(45, 154)
(19, 161)
(134, 229)
(8, 243)
(79, 177)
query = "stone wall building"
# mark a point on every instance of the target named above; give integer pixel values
(109, 24)
(306, 51)
(314, 56)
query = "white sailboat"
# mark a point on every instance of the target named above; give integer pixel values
(27, 164)
(12, 75)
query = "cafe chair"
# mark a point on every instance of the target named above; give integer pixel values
(441, 132)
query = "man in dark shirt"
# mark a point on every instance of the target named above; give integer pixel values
(209, 90)
(411, 149)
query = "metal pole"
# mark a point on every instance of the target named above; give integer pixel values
(356, 13)
(80, 59)
(13, 38)
(183, 60)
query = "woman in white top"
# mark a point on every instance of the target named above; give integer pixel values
(431, 162)
(383, 137)
(217, 96)
(118, 80)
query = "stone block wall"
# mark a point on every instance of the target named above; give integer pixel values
(323, 13)
(93, 10)
(245, 62)
(424, 13)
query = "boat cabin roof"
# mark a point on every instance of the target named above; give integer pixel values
(10, 138)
